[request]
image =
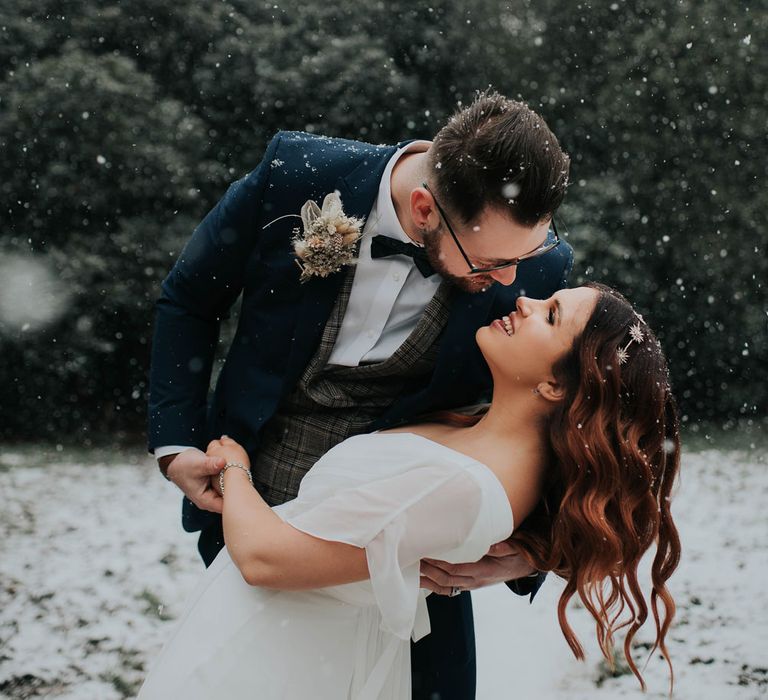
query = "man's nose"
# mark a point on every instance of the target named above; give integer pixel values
(505, 276)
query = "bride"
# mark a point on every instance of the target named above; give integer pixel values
(574, 458)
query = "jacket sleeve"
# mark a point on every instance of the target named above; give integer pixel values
(528, 585)
(199, 291)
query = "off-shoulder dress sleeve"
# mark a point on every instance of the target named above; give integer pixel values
(446, 511)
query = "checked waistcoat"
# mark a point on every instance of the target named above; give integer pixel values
(331, 403)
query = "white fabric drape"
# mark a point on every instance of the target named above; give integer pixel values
(402, 498)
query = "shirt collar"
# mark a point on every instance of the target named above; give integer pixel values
(388, 223)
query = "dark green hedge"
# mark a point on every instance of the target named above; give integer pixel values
(121, 124)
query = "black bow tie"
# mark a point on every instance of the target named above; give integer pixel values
(384, 246)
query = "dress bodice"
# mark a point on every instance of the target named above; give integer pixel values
(399, 496)
(402, 497)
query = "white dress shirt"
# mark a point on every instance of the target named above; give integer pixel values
(388, 294)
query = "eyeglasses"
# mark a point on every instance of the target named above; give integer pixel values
(473, 269)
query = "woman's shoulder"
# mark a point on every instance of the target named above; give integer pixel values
(386, 453)
(436, 445)
(516, 471)
(434, 432)
(413, 464)
(372, 457)
(405, 444)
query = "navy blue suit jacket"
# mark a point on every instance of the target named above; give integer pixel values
(281, 320)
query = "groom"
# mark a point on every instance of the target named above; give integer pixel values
(455, 230)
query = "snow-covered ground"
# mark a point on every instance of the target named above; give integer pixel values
(94, 566)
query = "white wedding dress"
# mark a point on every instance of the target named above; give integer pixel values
(401, 497)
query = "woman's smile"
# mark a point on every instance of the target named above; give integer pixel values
(506, 324)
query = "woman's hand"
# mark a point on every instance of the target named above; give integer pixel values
(230, 450)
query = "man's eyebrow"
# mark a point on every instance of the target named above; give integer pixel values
(559, 311)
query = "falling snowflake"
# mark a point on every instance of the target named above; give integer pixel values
(33, 297)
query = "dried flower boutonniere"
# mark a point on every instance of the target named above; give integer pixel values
(328, 240)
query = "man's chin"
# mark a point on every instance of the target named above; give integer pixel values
(470, 284)
(466, 283)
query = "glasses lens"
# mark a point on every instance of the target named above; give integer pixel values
(535, 254)
(544, 249)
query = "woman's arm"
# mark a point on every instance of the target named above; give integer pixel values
(268, 551)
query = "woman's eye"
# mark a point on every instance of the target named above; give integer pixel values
(551, 317)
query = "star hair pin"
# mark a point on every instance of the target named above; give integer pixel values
(636, 335)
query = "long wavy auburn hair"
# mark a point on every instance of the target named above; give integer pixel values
(615, 453)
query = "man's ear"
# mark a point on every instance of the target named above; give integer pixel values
(551, 391)
(423, 209)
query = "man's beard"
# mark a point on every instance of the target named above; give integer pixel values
(472, 283)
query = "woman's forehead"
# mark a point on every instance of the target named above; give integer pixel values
(576, 302)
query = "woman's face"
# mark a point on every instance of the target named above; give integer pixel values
(523, 346)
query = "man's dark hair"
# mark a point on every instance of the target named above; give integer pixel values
(499, 153)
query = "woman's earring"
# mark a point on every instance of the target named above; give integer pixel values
(536, 390)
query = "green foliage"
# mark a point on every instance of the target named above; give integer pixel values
(98, 171)
(668, 203)
(122, 122)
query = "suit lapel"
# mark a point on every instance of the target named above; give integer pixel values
(360, 187)
(358, 191)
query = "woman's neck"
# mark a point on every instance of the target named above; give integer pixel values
(517, 417)
(511, 440)
(510, 434)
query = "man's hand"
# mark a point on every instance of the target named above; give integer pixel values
(502, 563)
(191, 470)
(229, 449)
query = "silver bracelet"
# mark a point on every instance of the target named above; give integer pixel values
(233, 464)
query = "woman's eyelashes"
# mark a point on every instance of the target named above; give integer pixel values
(551, 317)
